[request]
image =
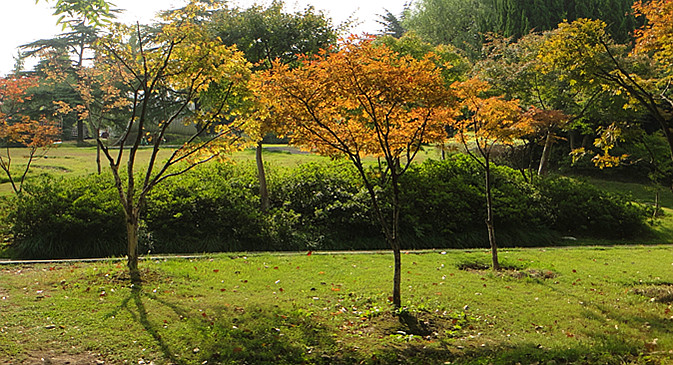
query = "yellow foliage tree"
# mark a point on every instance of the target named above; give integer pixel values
(587, 57)
(180, 68)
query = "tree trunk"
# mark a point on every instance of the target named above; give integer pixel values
(397, 276)
(390, 231)
(395, 243)
(586, 141)
(571, 140)
(132, 220)
(98, 166)
(489, 218)
(544, 160)
(80, 132)
(263, 189)
(657, 204)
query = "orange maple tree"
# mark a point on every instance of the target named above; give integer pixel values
(488, 121)
(657, 35)
(17, 129)
(363, 99)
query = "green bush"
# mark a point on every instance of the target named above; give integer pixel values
(213, 208)
(444, 205)
(580, 208)
(68, 218)
(323, 206)
(332, 208)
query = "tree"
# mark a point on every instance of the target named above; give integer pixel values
(589, 58)
(465, 23)
(267, 34)
(487, 123)
(392, 24)
(448, 59)
(454, 22)
(20, 130)
(656, 37)
(512, 68)
(516, 18)
(363, 100)
(91, 12)
(82, 19)
(180, 68)
(101, 100)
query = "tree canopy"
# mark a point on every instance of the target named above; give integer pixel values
(364, 99)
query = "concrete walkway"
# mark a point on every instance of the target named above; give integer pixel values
(218, 254)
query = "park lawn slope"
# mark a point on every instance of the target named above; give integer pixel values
(566, 305)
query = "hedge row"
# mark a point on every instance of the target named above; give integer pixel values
(314, 206)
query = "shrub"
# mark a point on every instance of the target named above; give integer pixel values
(212, 208)
(68, 218)
(324, 206)
(444, 205)
(333, 209)
(580, 208)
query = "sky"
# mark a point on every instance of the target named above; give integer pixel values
(23, 21)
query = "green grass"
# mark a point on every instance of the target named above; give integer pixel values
(640, 193)
(555, 306)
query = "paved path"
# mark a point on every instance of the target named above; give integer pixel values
(211, 255)
(289, 253)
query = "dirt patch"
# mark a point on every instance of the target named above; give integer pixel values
(508, 271)
(474, 266)
(420, 324)
(61, 359)
(531, 273)
(662, 293)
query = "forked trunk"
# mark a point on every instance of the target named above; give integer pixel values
(489, 219)
(263, 190)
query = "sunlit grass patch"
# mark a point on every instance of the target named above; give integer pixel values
(570, 305)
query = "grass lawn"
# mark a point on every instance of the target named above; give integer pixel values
(609, 305)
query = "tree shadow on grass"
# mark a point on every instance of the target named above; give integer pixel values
(266, 334)
(260, 334)
(141, 316)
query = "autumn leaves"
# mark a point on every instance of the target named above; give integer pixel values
(18, 127)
